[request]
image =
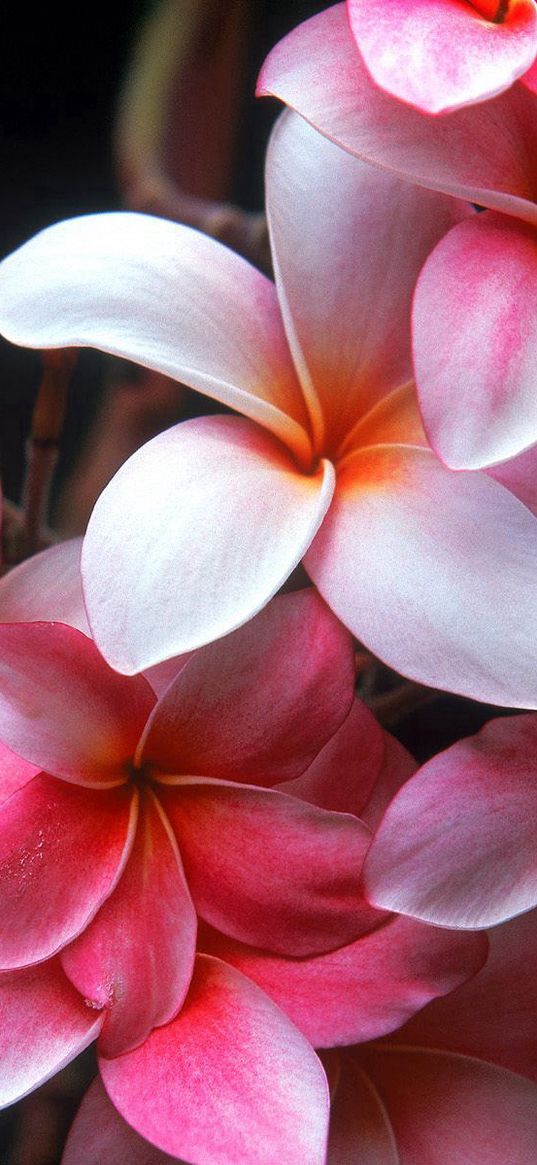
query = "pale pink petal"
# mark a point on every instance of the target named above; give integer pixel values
(519, 475)
(161, 675)
(62, 850)
(165, 296)
(348, 243)
(457, 845)
(475, 342)
(434, 571)
(445, 1108)
(229, 1080)
(359, 1126)
(14, 772)
(493, 1015)
(365, 989)
(484, 153)
(136, 957)
(98, 1134)
(439, 55)
(342, 776)
(218, 517)
(258, 705)
(63, 708)
(47, 586)
(44, 1024)
(269, 869)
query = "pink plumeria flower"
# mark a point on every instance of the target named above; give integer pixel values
(475, 339)
(439, 55)
(330, 463)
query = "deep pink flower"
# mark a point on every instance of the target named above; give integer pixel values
(202, 525)
(475, 339)
(440, 55)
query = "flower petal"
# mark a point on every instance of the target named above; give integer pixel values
(46, 586)
(359, 1126)
(44, 1025)
(259, 704)
(62, 850)
(269, 869)
(14, 772)
(219, 516)
(435, 571)
(63, 708)
(229, 1080)
(483, 153)
(348, 242)
(99, 1134)
(165, 296)
(439, 55)
(365, 989)
(475, 342)
(136, 957)
(457, 845)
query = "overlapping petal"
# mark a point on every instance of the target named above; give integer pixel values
(268, 869)
(475, 342)
(44, 1024)
(440, 55)
(14, 772)
(259, 704)
(358, 1119)
(484, 153)
(218, 517)
(360, 263)
(229, 1080)
(46, 586)
(457, 845)
(165, 296)
(136, 957)
(434, 571)
(99, 1134)
(62, 850)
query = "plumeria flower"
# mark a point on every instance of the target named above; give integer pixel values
(440, 55)
(330, 464)
(475, 339)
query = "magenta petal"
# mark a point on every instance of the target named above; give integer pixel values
(44, 1025)
(457, 845)
(480, 153)
(220, 514)
(136, 957)
(14, 772)
(343, 775)
(439, 55)
(269, 869)
(62, 850)
(475, 342)
(230, 1080)
(260, 703)
(99, 1134)
(46, 586)
(63, 708)
(365, 989)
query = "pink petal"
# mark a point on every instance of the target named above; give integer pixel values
(333, 221)
(446, 1108)
(269, 869)
(342, 776)
(230, 1080)
(519, 476)
(220, 518)
(14, 772)
(365, 989)
(44, 1025)
(359, 1127)
(494, 1015)
(457, 845)
(408, 557)
(63, 708)
(62, 850)
(100, 1135)
(483, 153)
(398, 766)
(258, 705)
(475, 342)
(165, 296)
(136, 957)
(439, 55)
(47, 586)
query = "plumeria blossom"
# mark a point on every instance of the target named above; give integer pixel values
(329, 463)
(457, 845)
(475, 338)
(440, 55)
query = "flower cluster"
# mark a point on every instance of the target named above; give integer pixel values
(289, 941)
